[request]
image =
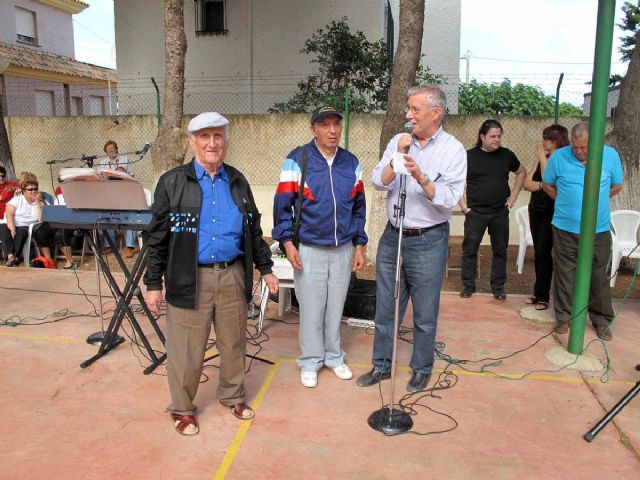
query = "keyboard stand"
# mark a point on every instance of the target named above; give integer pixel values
(123, 298)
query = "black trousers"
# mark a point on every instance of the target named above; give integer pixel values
(540, 224)
(475, 224)
(565, 257)
(42, 234)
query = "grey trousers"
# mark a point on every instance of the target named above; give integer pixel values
(565, 257)
(220, 300)
(321, 288)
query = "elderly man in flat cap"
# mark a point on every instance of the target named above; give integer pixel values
(204, 238)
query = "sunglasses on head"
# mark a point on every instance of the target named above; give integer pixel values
(31, 189)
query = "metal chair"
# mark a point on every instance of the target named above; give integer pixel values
(524, 234)
(624, 239)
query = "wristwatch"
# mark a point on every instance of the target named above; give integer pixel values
(424, 182)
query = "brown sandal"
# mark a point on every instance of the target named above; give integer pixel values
(182, 422)
(542, 305)
(242, 411)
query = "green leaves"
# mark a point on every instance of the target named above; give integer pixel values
(346, 59)
(630, 23)
(507, 99)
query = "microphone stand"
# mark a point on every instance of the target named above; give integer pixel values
(389, 420)
(591, 434)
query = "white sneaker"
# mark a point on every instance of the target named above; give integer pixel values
(343, 372)
(309, 379)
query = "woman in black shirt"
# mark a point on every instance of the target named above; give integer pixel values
(541, 212)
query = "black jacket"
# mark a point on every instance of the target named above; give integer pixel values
(173, 234)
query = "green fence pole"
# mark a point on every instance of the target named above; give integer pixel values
(558, 97)
(155, 85)
(347, 99)
(597, 122)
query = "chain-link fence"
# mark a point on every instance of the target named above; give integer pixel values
(258, 143)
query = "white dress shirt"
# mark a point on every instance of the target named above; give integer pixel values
(444, 160)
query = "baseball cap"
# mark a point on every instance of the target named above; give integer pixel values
(322, 112)
(207, 120)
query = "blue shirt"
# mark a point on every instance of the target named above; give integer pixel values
(444, 160)
(566, 173)
(220, 229)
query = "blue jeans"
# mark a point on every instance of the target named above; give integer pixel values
(423, 268)
(130, 238)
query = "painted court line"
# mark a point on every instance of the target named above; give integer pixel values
(279, 360)
(237, 441)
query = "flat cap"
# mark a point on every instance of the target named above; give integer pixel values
(322, 112)
(207, 120)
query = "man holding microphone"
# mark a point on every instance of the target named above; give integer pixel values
(436, 165)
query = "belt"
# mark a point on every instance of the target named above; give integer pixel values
(415, 232)
(217, 265)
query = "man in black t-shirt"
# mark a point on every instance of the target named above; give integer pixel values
(486, 204)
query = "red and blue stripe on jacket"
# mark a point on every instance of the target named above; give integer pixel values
(333, 209)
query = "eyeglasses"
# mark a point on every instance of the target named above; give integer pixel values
(413, 110)
(2, 175)
(31, 189)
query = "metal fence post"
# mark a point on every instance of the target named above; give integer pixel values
(558, 97)
(347, 99)
(597, 123)
(155, 85)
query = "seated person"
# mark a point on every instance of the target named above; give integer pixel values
(7, 189)
(62, 236)
(22, 211)
(118, 163)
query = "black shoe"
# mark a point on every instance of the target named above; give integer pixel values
(466, 293)
(372, 377)
(418, 381)
(499, 295)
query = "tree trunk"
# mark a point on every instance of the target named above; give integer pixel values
(406, 62)
(6, 159)
(169, 147)
(625, 136)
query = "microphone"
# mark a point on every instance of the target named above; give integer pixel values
(406, 140)
(145, 149)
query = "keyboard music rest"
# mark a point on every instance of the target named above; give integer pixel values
(59, 216)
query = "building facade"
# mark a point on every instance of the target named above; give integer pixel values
(38, 72)
(244, 55)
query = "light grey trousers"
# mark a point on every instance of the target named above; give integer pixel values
(321, 288)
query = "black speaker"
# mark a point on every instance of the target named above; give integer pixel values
(361, 299)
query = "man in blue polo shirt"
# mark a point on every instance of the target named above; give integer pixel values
(564, 180)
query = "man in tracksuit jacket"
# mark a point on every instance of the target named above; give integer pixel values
(204, 237)
(331, 239)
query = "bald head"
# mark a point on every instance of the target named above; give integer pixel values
(580, 130)
(579, 141)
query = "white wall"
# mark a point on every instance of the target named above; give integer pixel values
(54, 27)
(260, 54)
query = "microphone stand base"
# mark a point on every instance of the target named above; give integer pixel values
(98, 337)
(390, 423)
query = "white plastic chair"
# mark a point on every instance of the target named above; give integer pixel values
(26, 250)
(524, 234)
(284, 271)
(624, 238)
